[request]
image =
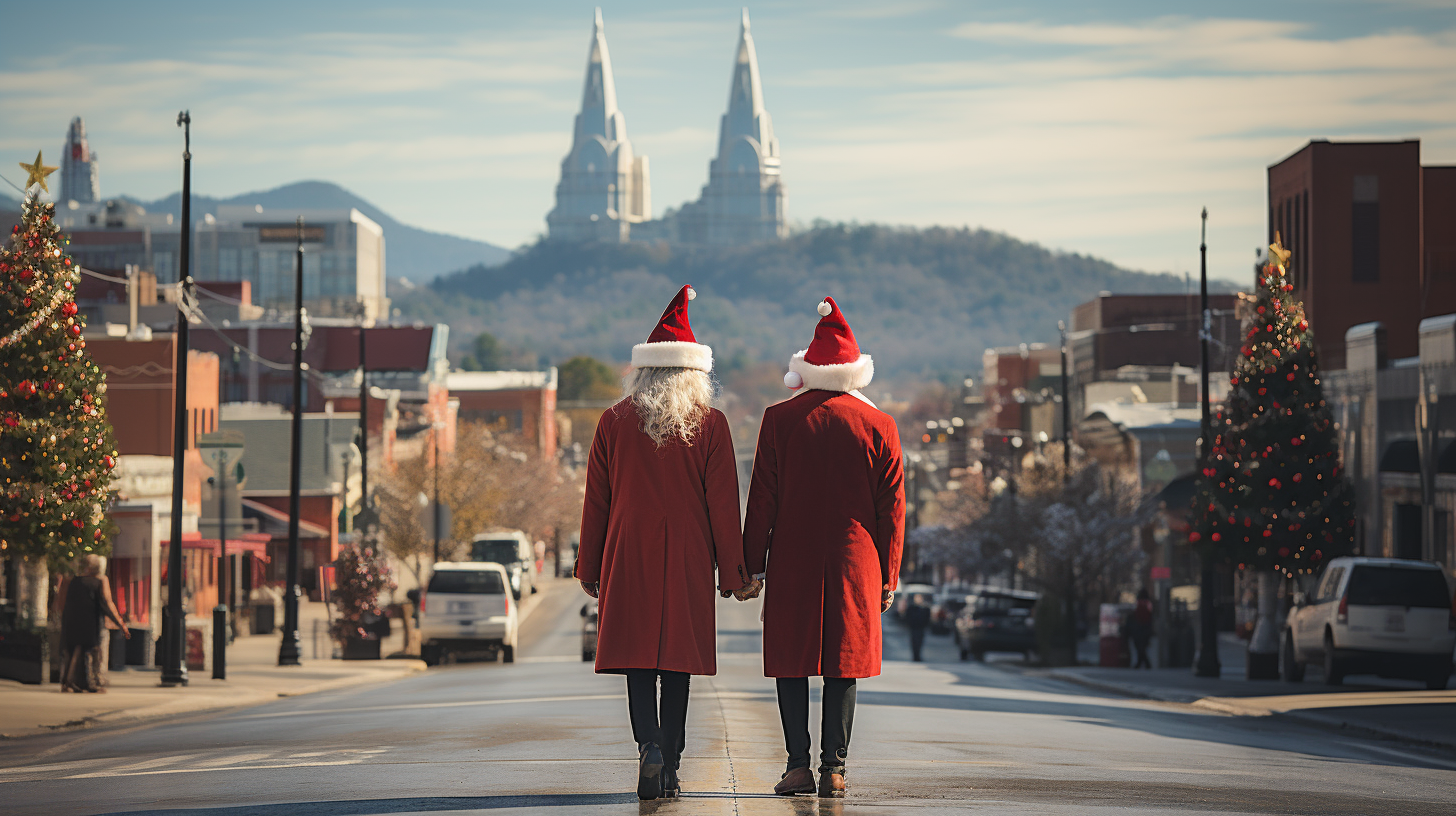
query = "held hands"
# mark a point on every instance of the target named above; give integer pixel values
(750, 590)
(887, 600)
(591, 588)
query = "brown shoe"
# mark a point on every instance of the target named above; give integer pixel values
(832, 785)
(798, 780)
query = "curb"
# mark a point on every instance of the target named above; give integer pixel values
(1322, 721)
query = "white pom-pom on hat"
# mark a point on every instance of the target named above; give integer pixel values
(793, 381)
(692, 293)
(825, 308)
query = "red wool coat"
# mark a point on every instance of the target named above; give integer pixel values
(655, 523)
(826, 509)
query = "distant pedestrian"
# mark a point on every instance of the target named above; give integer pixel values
(661, 513)
(826, 518)
(1140, 628)
(917, 619)
(85, 599)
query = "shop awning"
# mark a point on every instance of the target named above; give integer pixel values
(255, 544)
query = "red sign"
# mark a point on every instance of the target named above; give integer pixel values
(1161, 573)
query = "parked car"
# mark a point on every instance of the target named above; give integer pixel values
(589, 631)
(997, 620)
(908, 591)
(512, 550)
(944, 607)
(1384, 616)
(466, 609)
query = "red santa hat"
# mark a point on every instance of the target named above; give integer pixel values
(833, 361)
(672, 344)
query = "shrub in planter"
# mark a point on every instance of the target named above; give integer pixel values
(360, 575)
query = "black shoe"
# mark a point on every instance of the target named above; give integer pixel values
(649, 773)
(671, 787)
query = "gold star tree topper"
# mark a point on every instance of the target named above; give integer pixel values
(36, 172)
(1278, 254)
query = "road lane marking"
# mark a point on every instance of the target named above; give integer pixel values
(551, 659)
(419, 706)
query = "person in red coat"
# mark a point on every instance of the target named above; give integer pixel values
(825, 527)
(660, 514)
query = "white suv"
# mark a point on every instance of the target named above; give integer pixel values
(1384, 616)
(467, 607)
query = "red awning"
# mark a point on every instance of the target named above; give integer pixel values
(254, 543)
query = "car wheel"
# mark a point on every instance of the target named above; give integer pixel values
(1334, 672)
(508, 654)
(1290, 669)
(431, 655)
(1438, 681)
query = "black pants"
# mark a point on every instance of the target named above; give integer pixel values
(834, 728)
(669, 731)
(917, 640)
(1141, 645)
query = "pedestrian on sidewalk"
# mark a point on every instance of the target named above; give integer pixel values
(825, 528)
(84, 600)
(917, 619)
(1140, 628)
(661, 511)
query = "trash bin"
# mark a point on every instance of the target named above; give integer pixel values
(115, 650)
(1112, 643)
(139, 648)
(263, 619)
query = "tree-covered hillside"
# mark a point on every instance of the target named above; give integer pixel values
(922, 301)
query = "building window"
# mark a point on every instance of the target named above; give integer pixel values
(1365, 230)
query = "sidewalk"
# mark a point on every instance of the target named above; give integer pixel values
(1393, 709)
(253, 677)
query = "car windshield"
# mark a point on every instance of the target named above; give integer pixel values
(496, 551)
(467, 582)
(1002, 605)
(1398, 586)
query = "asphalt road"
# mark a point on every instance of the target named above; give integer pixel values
(545, 735)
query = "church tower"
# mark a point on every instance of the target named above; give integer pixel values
(743, 201)
(79, 179)
(604, 189)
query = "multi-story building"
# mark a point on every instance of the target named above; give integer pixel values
(519, 402)
(1022, 386)
(604, 187)
(110, 235)
(1373, 239)
(343, 261)
(80, 181)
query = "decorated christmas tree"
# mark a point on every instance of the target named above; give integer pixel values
(1272, 495)
(56, 445)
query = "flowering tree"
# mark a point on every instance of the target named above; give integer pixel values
(359, 576)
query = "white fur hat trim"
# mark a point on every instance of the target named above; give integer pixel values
(839, 377)
(672, 354)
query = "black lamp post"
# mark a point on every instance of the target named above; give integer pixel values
(174, 623)
(1066, 408)
(1208, 664)
(289, 649)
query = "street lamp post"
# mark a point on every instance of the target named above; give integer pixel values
(174, 624)
(1066, 408)
(435, 509)
(289, 650)
(1208, 664)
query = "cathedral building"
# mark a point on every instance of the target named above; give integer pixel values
(604, 188)
(743, 201)
(79, 179)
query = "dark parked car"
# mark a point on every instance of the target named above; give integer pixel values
(997, 620)
(945, 607)
(589, 631)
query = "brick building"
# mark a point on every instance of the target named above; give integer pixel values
(521, 402)
(1373, 235)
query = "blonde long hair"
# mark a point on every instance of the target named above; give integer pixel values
(671, 401)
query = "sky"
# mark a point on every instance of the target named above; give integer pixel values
(1099, 128)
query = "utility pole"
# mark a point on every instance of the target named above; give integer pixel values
(289, 649)
(1066, 408)
(435, 510)
(174, 624)
(1208, 664)
(363, 420)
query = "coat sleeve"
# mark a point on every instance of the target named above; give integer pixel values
(720, 486)
(890, 508)
(596, 507)
(763, 501)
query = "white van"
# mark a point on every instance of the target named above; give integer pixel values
(1389, 617)
(512, 550)
(466, 608)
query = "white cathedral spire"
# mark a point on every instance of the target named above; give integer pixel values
(604, 188)
(744, 197)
